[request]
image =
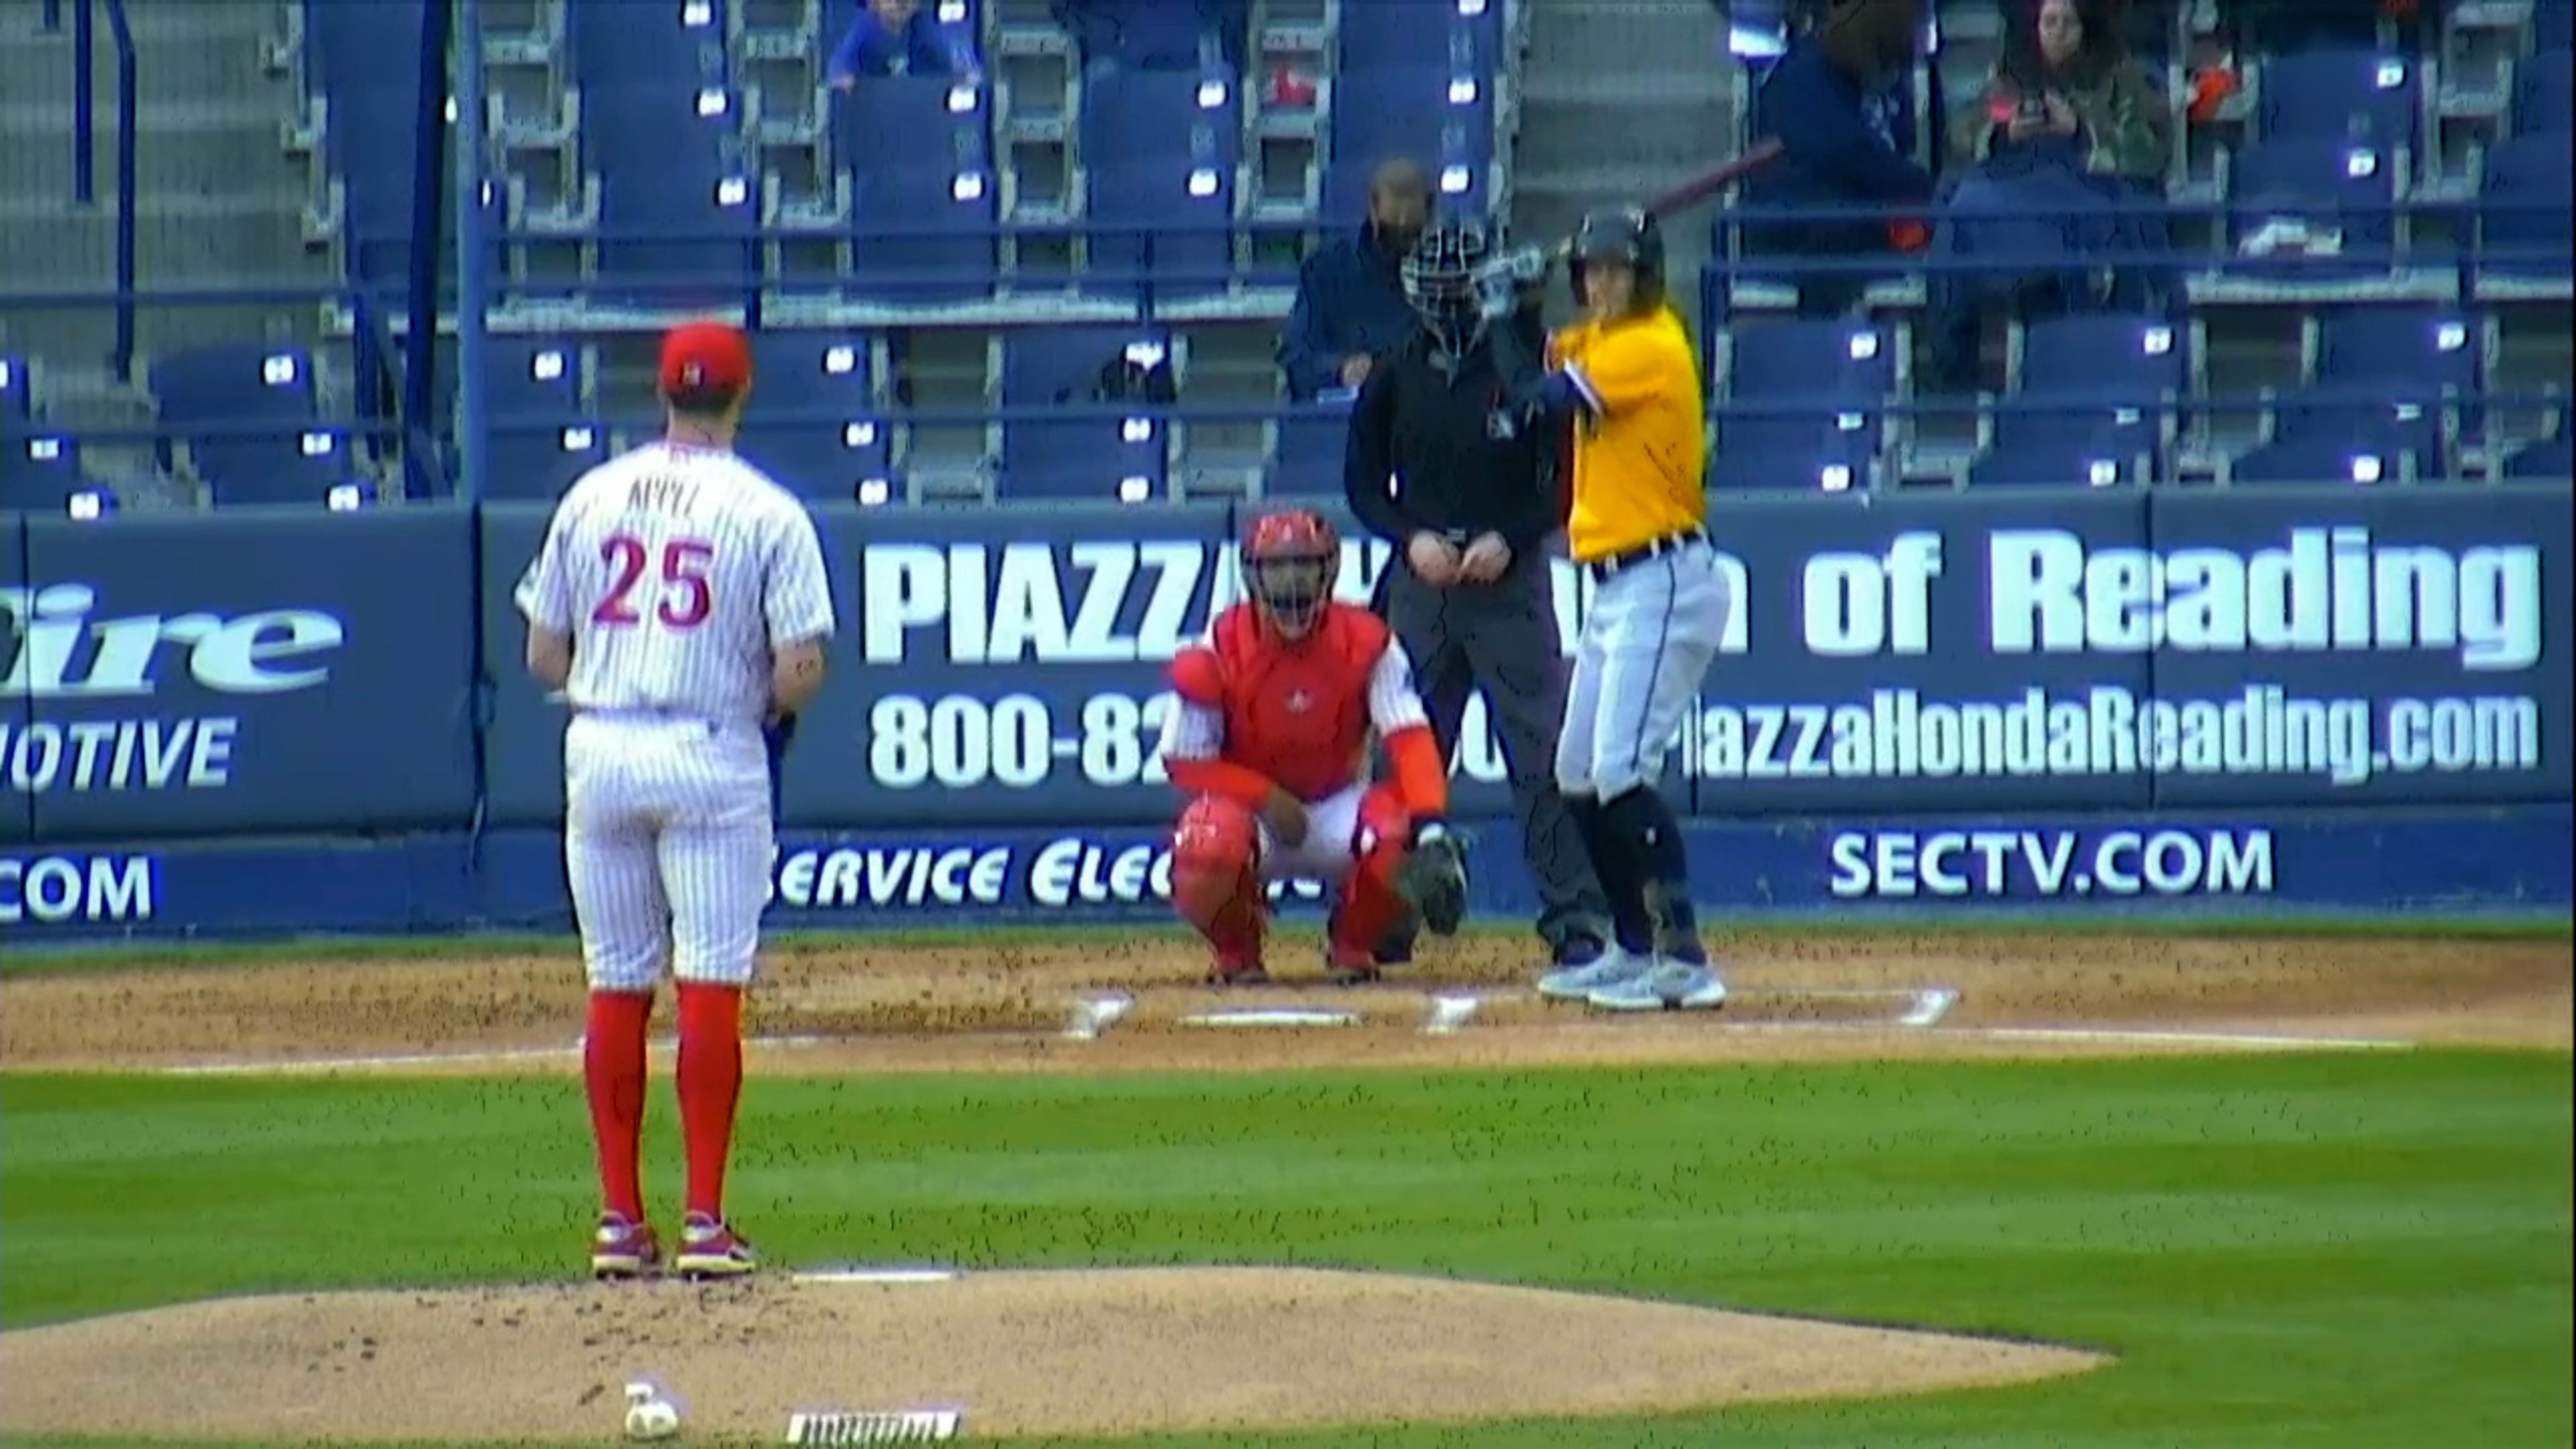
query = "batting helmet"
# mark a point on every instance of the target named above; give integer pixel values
(1290, 559)
(1440, 281)
(1628, 235)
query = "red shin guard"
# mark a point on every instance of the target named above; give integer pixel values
(710, 1080)
(1370, 905)
(612, 1067)
(1214, 885)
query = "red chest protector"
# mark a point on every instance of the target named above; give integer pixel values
(1295, 711)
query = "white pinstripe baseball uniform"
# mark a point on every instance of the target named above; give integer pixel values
(676, 571)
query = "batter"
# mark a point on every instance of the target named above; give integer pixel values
(1627, 379)
(679, 602)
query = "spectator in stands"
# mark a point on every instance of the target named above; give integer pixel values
(2070, 142)
(1836, 103)
(1350, 294)
(897, 37)
(1156, 34)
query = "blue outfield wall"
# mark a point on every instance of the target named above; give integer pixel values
(2089, 700)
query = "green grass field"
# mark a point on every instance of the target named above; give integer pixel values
(2339, 1250)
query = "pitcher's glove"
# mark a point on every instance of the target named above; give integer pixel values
(1433, 878)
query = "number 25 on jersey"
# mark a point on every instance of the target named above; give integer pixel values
(683, 599)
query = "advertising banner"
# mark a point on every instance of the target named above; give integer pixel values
(18, 760)
(523, 727)
(230, 673)
(2509, 861)
(2328, 647)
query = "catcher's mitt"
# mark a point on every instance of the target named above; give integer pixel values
(1433, 880)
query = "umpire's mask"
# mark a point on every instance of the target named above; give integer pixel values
(1440, 282)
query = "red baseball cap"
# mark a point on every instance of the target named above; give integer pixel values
(705, 354)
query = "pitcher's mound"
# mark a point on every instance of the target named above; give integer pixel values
(1114, 1352)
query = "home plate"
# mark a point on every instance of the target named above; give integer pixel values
(1262, 1016)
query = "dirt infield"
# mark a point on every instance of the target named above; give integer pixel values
(550, 1362)
(906, 1008)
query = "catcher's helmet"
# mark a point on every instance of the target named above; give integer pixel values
(1621, 234)
(1290, 560)
(1440, 280)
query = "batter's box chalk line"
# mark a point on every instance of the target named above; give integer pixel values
(1272, 1017)
(902, 1426)
(877, 1275)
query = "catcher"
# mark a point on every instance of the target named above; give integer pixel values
(1268, 737)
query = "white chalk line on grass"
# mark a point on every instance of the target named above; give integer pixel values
(280, 1065)
(2266, 1041)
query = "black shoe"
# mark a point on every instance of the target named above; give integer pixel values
(1575, 952)
(1395, 950)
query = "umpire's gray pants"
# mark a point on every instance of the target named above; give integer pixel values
(1502, 636)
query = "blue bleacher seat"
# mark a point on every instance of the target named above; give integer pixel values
(919, 152)
(364, 61)
(2544, 92)
(1793, 453)
(1128, 114)
(17, 401)
(297, 468)
(2325, 184)
(534, 379)
(1307, 460)
(1379, 33)
(1837, 375)
(2548, 459)
(2420, 354)
(536, 461)
(1174, 210)
(2063, 462)
(2524, 212)
(40, 473)
(669, 162)
(2369, 97)
(1097, 451)
(816, 428)
(1431, 114)
(2550, 27)
(2314, 460)
(2114, 380)
(673, 43)
(2416, 430)
(1144, 34)
(230, 385)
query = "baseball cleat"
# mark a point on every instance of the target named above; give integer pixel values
(709, 1249)
(1665, 986)
(622, 1248)
(1346, 969)
(1613, 967)
(1237, 966)
(1433, 882)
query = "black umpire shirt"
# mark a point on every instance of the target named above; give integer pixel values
(1435, 447)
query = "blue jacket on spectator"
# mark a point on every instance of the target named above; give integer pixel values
(1350, 299)
(874, 48)
(1154, 34)
(1841, 145)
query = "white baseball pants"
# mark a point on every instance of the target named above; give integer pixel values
(1646, 645)
(667, 840)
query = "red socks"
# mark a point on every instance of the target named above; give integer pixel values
(612, 1064)
(710, 1086)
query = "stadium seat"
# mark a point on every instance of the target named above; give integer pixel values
(2544, 92)
(1136, 114)
(1307, 459)
(367, 61)
(2118, 379)
(2550, 26)
(817, 429)
(1141, 34)
(17, 400)
(2417, 430)
(2065, 462)
(2360, 97)
(2524, 212)
(1819, 390)
(1099, 450)
(1433, 114)
(2546, 459)
(2422, 354)
(677, 45)
(1174, 211)
(669, 162)
(228, 386)
(534, 461)
(1463, 35)
(919, 153)
(535, 379)
(2335, 195)
(301, 468)
(40, 473)
(2314, 460)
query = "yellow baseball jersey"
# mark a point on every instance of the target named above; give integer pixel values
(1641, 442)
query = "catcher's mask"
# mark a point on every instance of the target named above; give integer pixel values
(1440, 282)
(1289, 563)
(1622, 234)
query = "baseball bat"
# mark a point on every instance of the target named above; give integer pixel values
(1701, 187)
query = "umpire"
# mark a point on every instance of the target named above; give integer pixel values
(1438, 468)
